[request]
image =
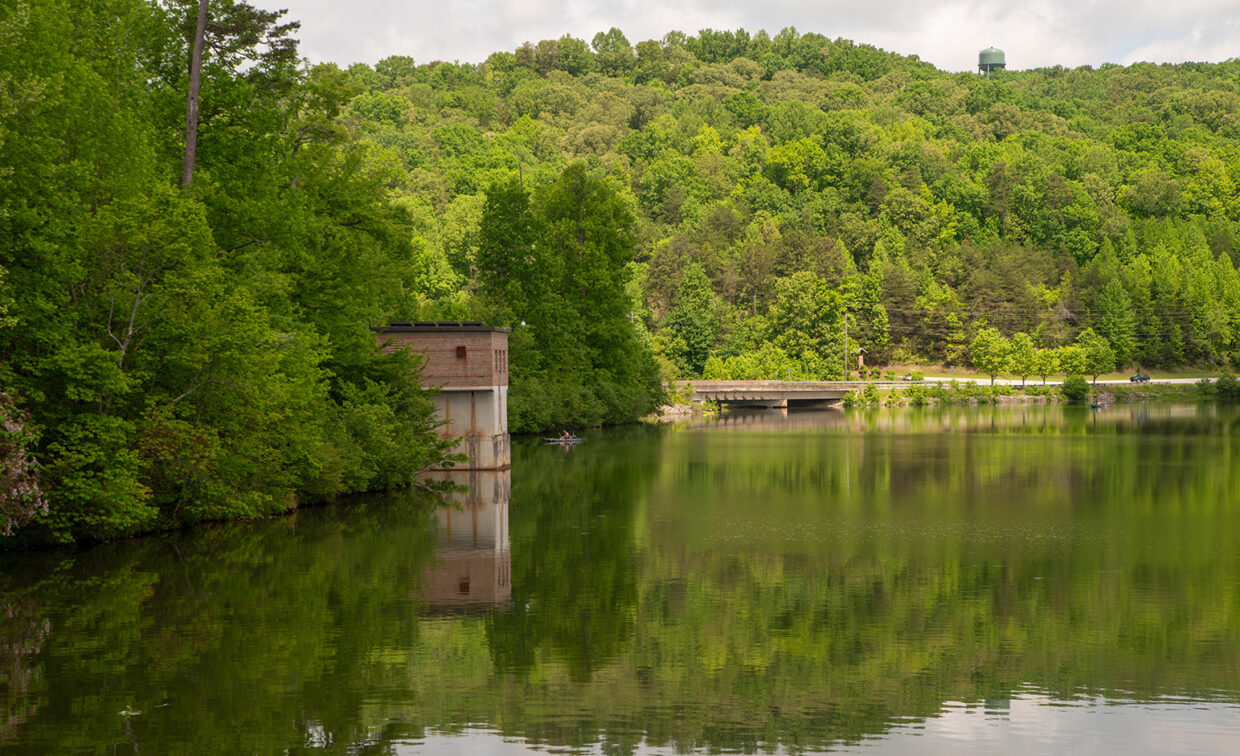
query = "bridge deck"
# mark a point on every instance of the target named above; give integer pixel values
(776, 393)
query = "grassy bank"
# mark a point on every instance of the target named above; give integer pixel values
(971, 392)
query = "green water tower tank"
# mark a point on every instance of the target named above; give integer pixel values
(991, 59)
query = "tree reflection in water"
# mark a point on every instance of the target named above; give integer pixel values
(800, 580)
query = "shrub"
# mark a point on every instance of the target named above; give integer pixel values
(917, 375)
(1075, 388)
(869, 396)
(1227, 387)
(916, 395)
(677, 394)
(970, 391)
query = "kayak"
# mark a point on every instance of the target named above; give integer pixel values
(563, 441)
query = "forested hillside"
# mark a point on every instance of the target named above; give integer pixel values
(782, 184)
(171, 354)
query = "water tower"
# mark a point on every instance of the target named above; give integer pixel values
(990, 59)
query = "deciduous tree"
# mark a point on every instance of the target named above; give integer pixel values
(991, 353)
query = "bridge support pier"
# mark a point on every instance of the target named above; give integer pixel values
(772, 403)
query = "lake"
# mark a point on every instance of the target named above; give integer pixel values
(1013, 579)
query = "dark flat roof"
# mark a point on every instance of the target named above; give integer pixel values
(438, 326)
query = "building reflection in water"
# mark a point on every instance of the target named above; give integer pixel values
(472, 566)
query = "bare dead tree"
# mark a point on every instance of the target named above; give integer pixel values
(191, 105)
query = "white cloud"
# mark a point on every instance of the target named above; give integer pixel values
(1204, 42)
(947, 33)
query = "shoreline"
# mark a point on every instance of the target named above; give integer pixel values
(969, 393)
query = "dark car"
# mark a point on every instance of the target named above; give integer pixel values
(1140, 378)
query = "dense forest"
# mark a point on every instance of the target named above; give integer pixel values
(782, 185)
(173, 353)
(718, 205)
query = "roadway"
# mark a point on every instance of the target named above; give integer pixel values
(1038, 381)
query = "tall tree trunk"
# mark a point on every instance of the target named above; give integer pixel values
(191, 105)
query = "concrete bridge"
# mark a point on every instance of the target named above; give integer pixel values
(778, 394)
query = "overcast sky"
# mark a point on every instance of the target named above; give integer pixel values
(947, 33)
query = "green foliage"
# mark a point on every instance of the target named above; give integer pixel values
(933, 205)
(805, 317)
(1072, 360)
(967, 392)
(1117, 321)
(770, 363)
(991, 353)
(1075, 388)
(558, 263)
(953, 393)
(508, 268)
(1023, 357)
(1045, 363)
(1227, 388)
(1036, 390)
(613, 56)
(692, 322)
(870, 396)
(191, 356)
(1099, 357)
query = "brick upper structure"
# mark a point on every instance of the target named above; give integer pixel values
(459, 354)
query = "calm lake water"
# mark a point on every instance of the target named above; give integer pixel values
(960, 580)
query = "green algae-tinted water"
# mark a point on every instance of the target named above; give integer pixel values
(1008, 580)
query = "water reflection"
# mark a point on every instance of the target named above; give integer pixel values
(472, 565)
(803, 581)
(1195, 418)
(22, 635)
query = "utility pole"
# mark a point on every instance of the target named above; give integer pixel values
(845, 344)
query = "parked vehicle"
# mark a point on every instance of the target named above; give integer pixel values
(1140, 378)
